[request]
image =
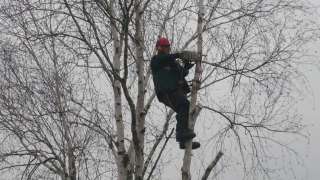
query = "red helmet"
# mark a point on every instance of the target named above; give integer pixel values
(162, 42)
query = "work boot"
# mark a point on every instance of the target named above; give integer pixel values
(185, 135)
(195, 145)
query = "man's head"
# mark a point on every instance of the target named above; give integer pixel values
(163, 45)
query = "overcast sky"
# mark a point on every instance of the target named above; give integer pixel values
(310, 109)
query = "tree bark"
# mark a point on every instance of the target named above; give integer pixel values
(186, 175)
(211, 166)
(140, 114)
(122, 156)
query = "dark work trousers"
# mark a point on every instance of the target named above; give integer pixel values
(177, 100)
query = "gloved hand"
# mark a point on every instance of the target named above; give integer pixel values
(189, 56)
(188, 65)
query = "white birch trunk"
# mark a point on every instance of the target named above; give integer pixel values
(122, 157)
(140, 114)
(186, 175)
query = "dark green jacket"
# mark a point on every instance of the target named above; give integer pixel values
(168, 74)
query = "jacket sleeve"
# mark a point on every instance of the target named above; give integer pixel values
(162, 60)
(182, 70)
(186, 68)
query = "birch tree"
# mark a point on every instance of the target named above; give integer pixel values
(77, 98)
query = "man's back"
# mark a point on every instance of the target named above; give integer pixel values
(167, 73)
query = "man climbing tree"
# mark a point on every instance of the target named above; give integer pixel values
(172, 88)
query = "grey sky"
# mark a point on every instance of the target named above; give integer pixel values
(310, 110)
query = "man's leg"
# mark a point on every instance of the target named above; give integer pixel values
(182, 115)
(178, 101)
(183, 131)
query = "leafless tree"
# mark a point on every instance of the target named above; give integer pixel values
(77, 100)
